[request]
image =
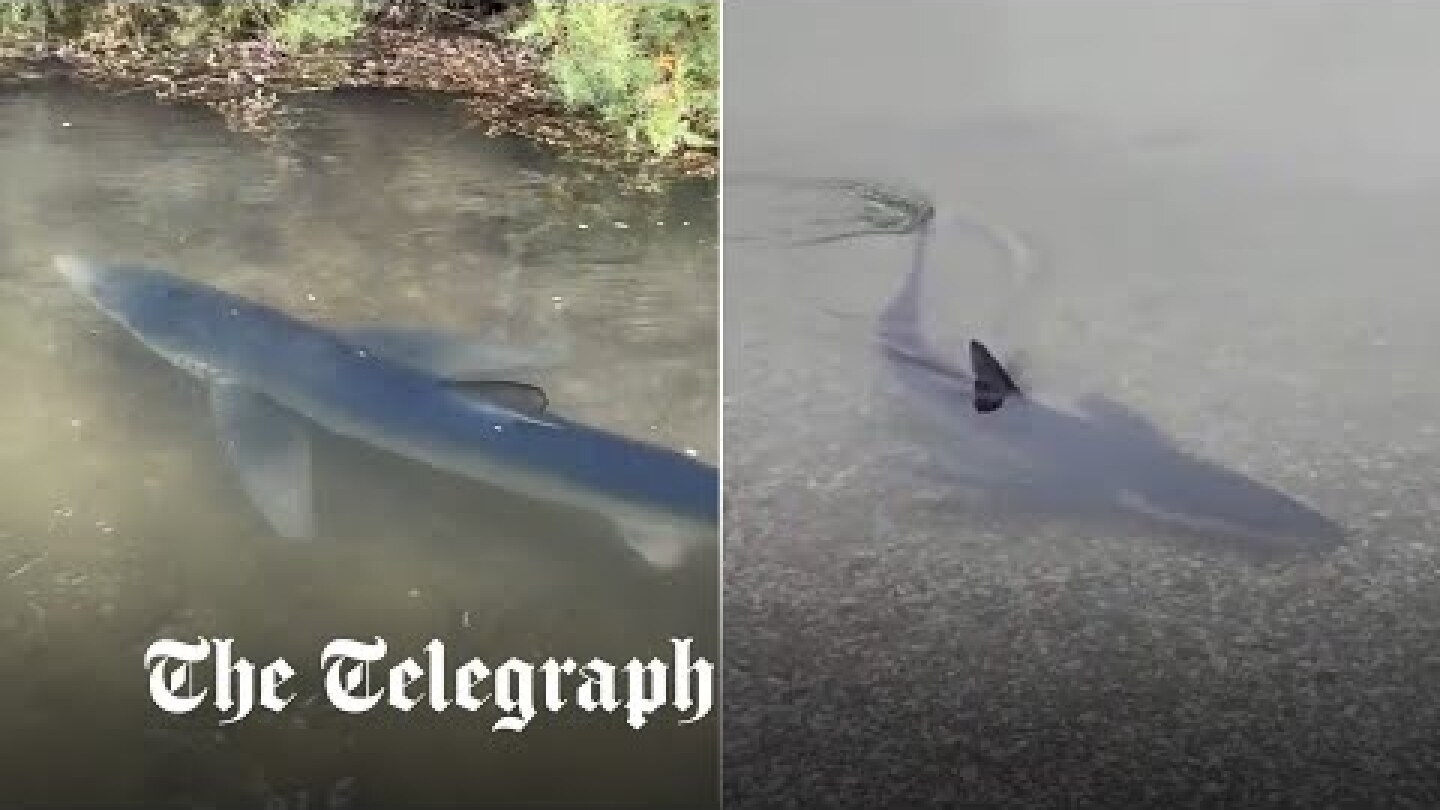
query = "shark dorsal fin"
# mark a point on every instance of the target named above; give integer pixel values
(992, 382)
(523, 398)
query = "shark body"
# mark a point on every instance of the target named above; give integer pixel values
(1100, 456)
(413, 393)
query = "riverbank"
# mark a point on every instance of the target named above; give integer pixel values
(501, 82)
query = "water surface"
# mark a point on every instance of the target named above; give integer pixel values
(120, 522)
(1228, 239)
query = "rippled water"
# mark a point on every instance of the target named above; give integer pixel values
(1231, 210)
(121, 523)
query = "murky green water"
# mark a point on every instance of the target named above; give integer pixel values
(120, 522)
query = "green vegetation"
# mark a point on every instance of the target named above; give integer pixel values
(183, 24)
(652, 68)
(645, 74)
(22, 19)
(317, 22)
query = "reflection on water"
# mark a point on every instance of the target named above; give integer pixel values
(120, 522)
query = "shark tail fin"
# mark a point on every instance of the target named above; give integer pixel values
(992, 382)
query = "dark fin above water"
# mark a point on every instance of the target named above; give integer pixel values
(522, 398)
(992, 382)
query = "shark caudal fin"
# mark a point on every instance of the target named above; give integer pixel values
(992, 382)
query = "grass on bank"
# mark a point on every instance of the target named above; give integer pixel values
(651, 68)
(294, 24)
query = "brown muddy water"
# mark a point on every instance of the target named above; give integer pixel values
(120, 522)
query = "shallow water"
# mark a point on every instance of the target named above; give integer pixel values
(120, 522)
(1236, 247)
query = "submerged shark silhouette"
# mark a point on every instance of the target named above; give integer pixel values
(1103, 457)
(415, 393)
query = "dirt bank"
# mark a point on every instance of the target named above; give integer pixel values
(501, 82)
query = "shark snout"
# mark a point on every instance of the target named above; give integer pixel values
(77, 271)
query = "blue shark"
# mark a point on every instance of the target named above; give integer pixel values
(416, 393)
(1095, 456)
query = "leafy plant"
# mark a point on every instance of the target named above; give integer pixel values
(22, 18)
(652, 68)
(320, 22)
(184, 24)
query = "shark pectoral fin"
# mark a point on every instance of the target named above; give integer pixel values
(663, 547)
(523, 398)
(270, 450)
(992, 382)
(449, 356)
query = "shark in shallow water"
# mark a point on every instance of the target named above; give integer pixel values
(415, 393)
(1098, 456)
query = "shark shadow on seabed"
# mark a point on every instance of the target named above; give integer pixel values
(1098, 460)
